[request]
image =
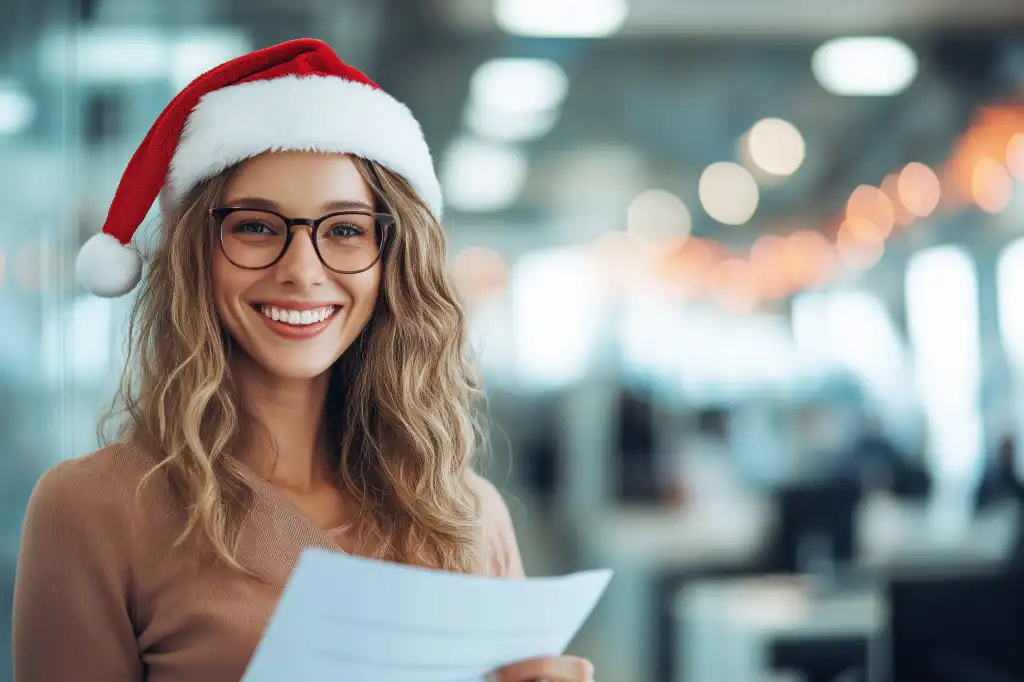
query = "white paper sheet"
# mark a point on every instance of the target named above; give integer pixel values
(348, 619)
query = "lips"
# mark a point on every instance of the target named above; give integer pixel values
(293, 323)
(297, 316)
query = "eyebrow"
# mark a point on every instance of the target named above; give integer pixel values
(329, 207)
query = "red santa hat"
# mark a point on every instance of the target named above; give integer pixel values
(294, 96)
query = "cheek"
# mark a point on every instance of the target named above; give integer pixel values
(227, 282)
(220, 282)
(365, 290)
(222, 274)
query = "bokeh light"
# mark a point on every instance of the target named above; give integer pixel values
(658, 215)
(776, 146)
(919, 189)
(856, 253)
(735, 286)
(728, 193)
(1015, 156)
(480, 273)
(991, 186)
(868, 203)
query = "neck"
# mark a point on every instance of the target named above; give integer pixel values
(291, 411)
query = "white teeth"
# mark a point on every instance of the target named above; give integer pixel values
(298, 317)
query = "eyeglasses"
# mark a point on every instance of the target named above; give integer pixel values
(346, 242)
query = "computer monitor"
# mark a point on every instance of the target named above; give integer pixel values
(965, 628)
(816, 526)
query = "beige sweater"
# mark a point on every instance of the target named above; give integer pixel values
(102, 595)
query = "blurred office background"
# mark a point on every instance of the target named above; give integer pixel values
(746, 282)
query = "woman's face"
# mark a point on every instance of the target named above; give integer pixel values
(318, 312)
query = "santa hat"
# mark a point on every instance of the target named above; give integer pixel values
(294, 96)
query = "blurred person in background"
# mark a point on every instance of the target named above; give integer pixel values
(292, 382)
(875, 462)
(700, 468)
(1009, 480)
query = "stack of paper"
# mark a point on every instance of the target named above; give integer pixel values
(348, 619)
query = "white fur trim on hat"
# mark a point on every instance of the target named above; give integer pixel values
(107, 268)
(308, 113)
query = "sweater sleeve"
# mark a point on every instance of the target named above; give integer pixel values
(72, 598)
(504, 559)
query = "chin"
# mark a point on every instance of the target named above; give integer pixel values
(296, 371)
(287, 363)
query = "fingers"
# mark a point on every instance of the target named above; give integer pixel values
(554, 669)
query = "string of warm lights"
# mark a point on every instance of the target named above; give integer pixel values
(980, 171)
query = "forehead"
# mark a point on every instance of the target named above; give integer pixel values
(300, 182)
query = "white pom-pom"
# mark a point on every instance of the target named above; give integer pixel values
(107, 268)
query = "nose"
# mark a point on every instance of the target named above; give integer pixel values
(300, 266)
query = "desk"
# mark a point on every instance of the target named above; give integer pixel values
(893, 535)
(656, 538)
(727, 627)
(644, 545)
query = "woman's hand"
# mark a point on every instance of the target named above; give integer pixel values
(556, 669)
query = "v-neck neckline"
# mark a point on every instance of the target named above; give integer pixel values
(307, 529)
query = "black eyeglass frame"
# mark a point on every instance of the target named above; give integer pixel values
(383, 221)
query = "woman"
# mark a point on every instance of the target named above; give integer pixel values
(295, 380)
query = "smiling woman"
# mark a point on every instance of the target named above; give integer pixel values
(295, 379)
(330, 264)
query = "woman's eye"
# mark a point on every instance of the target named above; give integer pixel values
(344, 231)
(252, 228)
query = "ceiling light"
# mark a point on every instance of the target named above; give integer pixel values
(482, 177)
(561, 18)
(509, 127)
(518, 85)
(728, 193)
(864, 66)
(515, 99)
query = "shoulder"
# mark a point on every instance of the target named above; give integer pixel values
(498, 531)
(98, 486)
(81, 524)
(492, 504)
(110, 472)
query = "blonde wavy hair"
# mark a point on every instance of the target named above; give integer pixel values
(404, 434)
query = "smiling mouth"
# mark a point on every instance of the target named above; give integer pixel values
(297, 318)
